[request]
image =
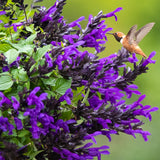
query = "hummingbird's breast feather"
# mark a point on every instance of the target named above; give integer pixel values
(133, 47)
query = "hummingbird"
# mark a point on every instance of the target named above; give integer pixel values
(133, 37)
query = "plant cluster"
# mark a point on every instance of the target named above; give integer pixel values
(56, 96)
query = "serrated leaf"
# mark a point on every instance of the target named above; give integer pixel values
(4, 47)
(28, 49)
(30, 39)
(5, 81)
(29, 29)
(20, 75)
(62, 85)
(11, 55)
(50, 81)
(16, 46)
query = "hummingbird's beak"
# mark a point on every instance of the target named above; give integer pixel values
(110, 33)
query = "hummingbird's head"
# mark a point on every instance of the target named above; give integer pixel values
(118, 36)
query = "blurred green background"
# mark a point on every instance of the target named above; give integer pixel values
(140, 12)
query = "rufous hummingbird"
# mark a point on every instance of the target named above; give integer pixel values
(133, 37)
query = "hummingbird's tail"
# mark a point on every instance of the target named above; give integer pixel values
(142, 54)
(139, 51)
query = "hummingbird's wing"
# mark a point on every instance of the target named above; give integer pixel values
(131, 34)
(140, 34)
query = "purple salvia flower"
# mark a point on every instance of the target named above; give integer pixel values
(16, 62)
(70, 38)
(95, 102)
(67, 96)
(76, 22)
(92, 136)
(149, 60)
(129, 122)
(18, 123)
(5, 69)
(32, 99)
(2, 12)
(49, 60)
(113, 13)
(145, 111)
(143, 133)
(31, 96)
(133, 59)
(97, 151)
(96, 36)
(4, 99)
(66, 154)
(15, 103)
(54, 43)
(61, 124)
(46, 120)
(137, 103)
(1, 158)
(59, 62)
(14, 25)
(104, 122)
(130, 89)
(5, 125)
(35, 130)
(108, 134)
(50, 12)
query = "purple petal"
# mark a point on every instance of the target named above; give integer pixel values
(15, 103)
(113, 13)
(18, 123)
(2, 12)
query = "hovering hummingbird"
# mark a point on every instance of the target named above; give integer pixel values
(133, 37)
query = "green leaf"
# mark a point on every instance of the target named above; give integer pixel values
(15, 45)
(50, 81)
(11, 55)
(32, 154)
(28, 49)
(62, 85)
(86, 97)
(2, 34)
(20, 75)
(4, 47)
(41, 52)
(50, 93)
(29, 29)
(66, 115)
(5, 81)
(30, 39)
(23, 133)
(77, 94)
